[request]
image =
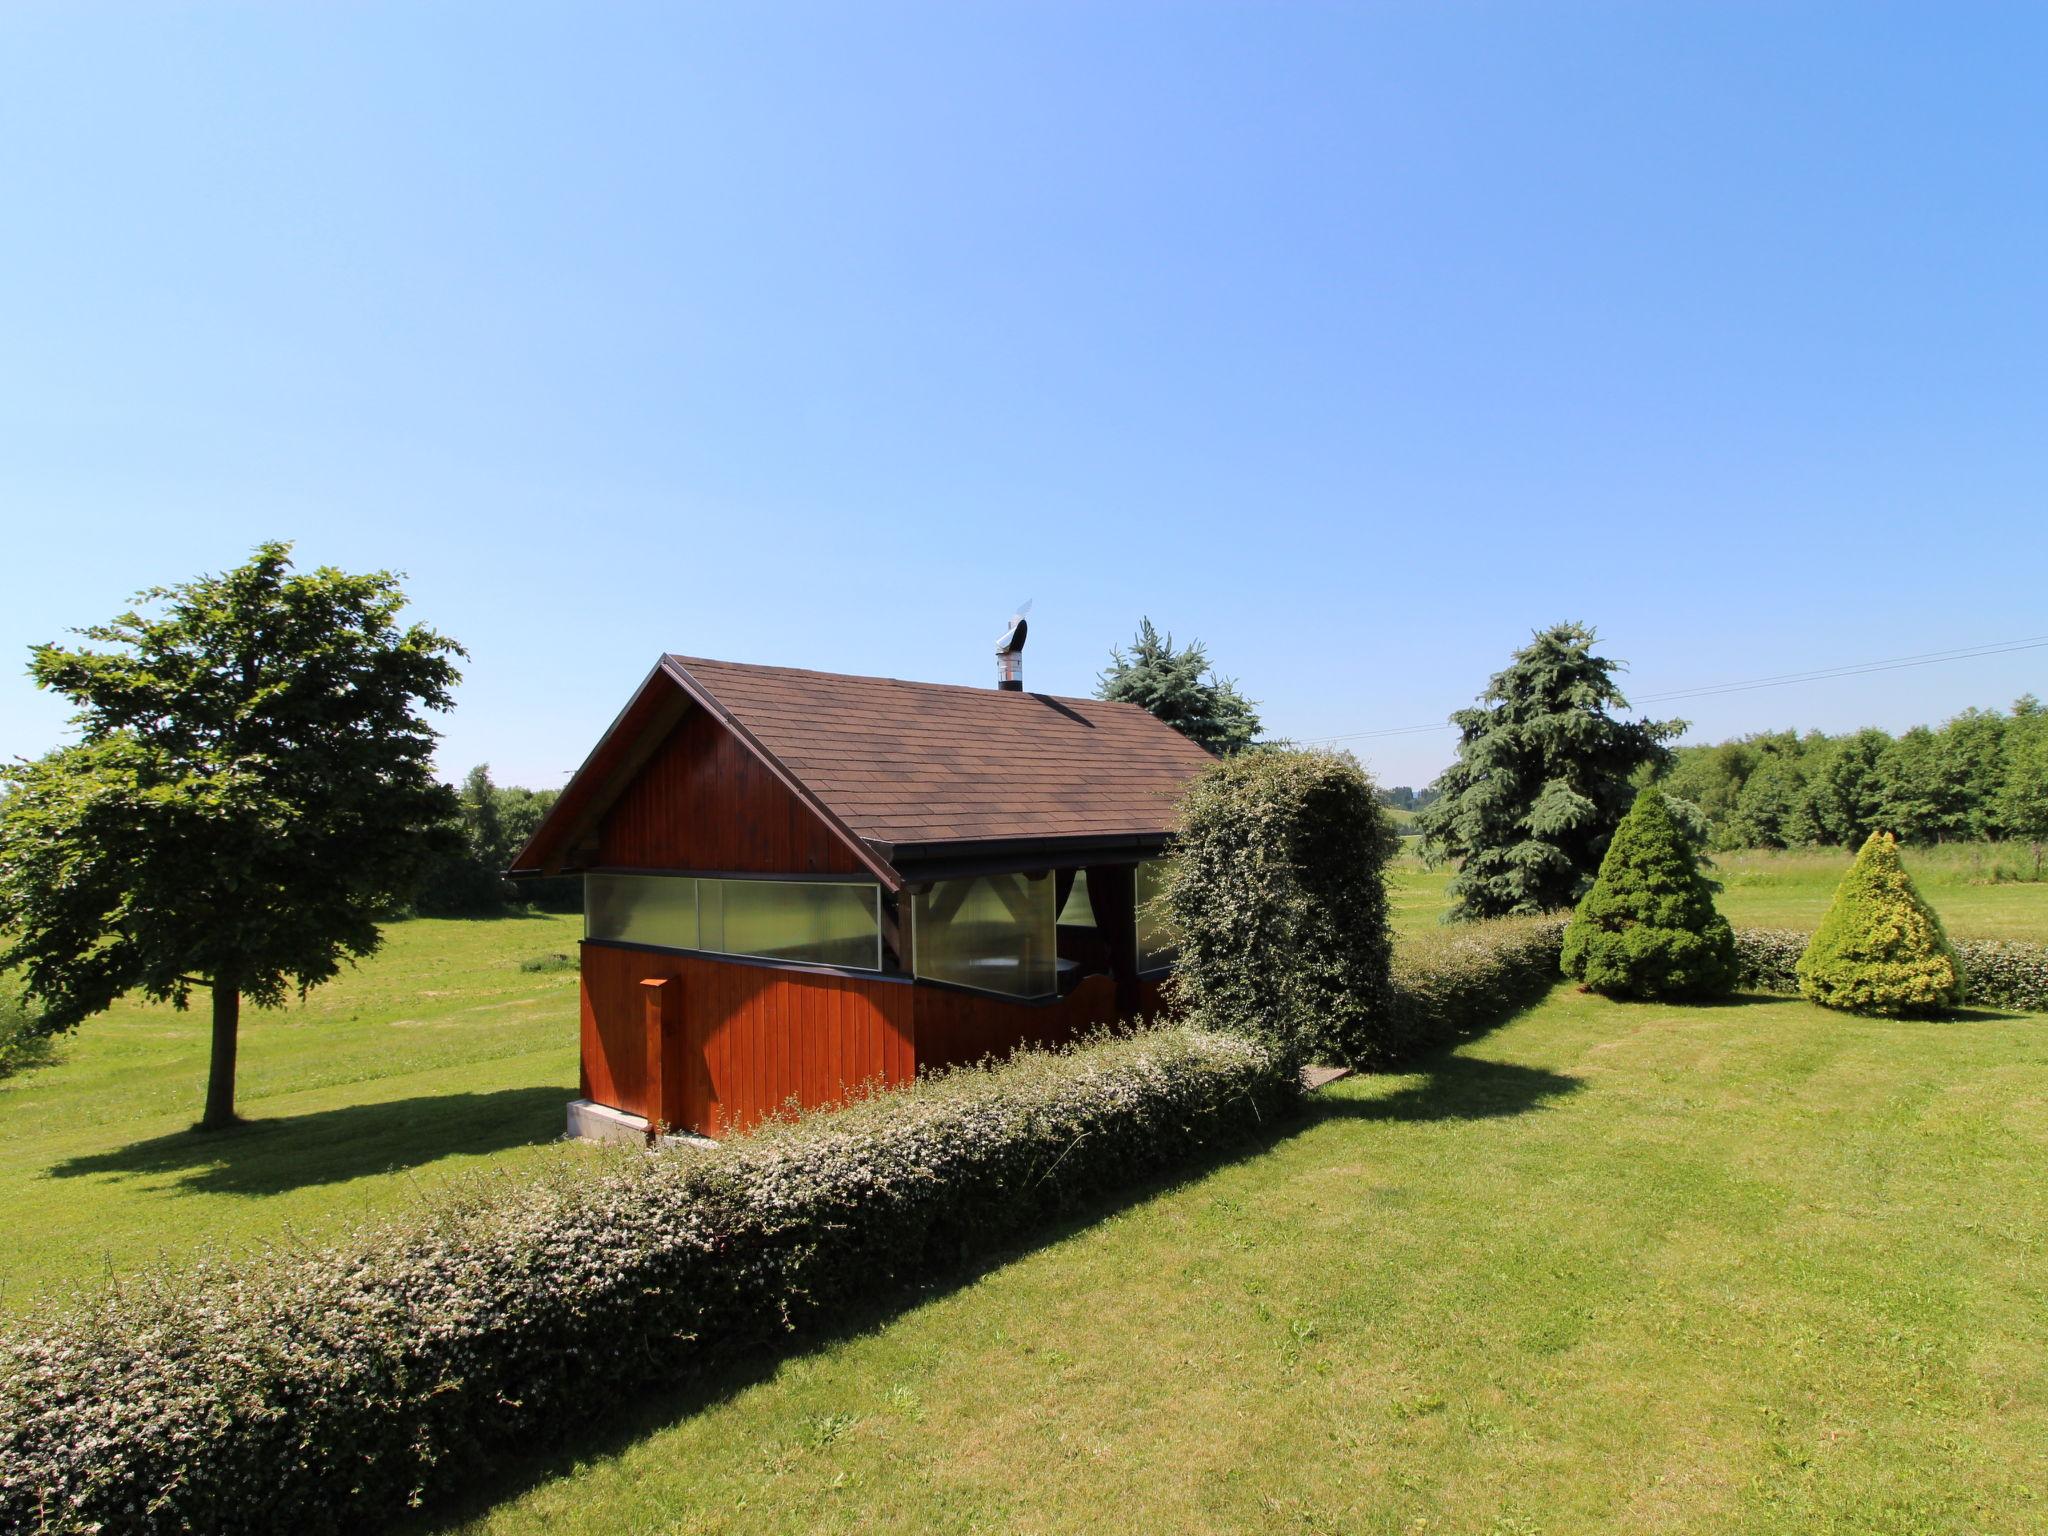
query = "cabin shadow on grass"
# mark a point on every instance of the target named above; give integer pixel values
(1453, 1087)
(270, 1156)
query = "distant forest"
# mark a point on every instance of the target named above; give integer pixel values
(1981, 775)
(494, 821)
(1402, 798)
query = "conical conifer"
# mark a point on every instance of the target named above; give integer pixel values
(1880, 949)
(1648, 927)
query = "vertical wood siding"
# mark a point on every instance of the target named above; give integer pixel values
(703, 801)
(767, 1038)
(753, 1038)
(958, 1028)
(614, 1054)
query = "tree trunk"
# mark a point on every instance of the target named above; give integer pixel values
(220, 1077)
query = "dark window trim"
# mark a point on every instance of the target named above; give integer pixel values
(1049, 1000)
(729, 874)
(815, 968)
(811, 967)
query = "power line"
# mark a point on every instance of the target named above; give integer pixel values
(1779, 680)
(1893, 664)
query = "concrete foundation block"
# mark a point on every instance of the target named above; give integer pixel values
(591, 1121)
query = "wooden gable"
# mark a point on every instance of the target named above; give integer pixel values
(703, 801)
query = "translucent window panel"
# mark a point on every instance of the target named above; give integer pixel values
(641, 909)
(1078, 913)
(995, 933)
(1155, 946)
(823, 924)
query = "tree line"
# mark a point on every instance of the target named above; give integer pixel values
(485, 829)
(1981, 775)
(1545, 772)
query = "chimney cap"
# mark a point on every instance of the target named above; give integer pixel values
(1010, 652)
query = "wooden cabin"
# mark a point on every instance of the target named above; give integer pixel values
(797, 883)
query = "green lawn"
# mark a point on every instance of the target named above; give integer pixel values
(441, 1054)
(1767, 888)
(433, 1057)
(1743, 1268)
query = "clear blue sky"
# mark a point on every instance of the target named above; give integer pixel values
(1356, 340)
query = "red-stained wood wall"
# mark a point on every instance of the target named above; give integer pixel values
(704, 802)
(753, 1038)
(957, 1028)
(750, 1039)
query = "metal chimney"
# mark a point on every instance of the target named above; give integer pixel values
(1010, 652)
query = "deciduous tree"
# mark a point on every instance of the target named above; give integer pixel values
(2023, 798)
(251, 790)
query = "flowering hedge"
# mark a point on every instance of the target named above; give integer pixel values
(1276, 900)
(1997, 973)
(329, 1390)
(1457, 980)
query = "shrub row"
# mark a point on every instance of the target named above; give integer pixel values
(1997, 973)
(326, 1391)
(1459, 980)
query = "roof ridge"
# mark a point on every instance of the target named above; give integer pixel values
(901, 682)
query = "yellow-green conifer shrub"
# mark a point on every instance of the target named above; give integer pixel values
(1880, 949)
(1648, 927)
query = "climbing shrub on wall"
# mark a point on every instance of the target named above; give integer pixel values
(1277, 900)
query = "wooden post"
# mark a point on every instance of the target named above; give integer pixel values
(664, 1007)
(1113, 893)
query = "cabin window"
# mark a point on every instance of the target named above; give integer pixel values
(994, 933)
(815, 922)
(641, 909)
(806, 921)
(1155, 946)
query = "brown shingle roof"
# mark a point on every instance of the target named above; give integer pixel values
(904, 763)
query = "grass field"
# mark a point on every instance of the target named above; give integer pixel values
(1768, 888)
(442, 1054)
(1737, 1268)
(435, 1056)
(1743, 1268)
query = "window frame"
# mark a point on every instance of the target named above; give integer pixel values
(696, 879)
(1052, 993)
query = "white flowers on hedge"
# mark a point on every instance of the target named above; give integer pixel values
(328, 1390)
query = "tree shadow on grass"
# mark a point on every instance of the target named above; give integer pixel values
(1725, 1000)
(1455, 1087)
(268, 1157)
(1965, 1014)
(1980, 1015)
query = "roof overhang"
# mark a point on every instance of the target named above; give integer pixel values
(921, 863)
